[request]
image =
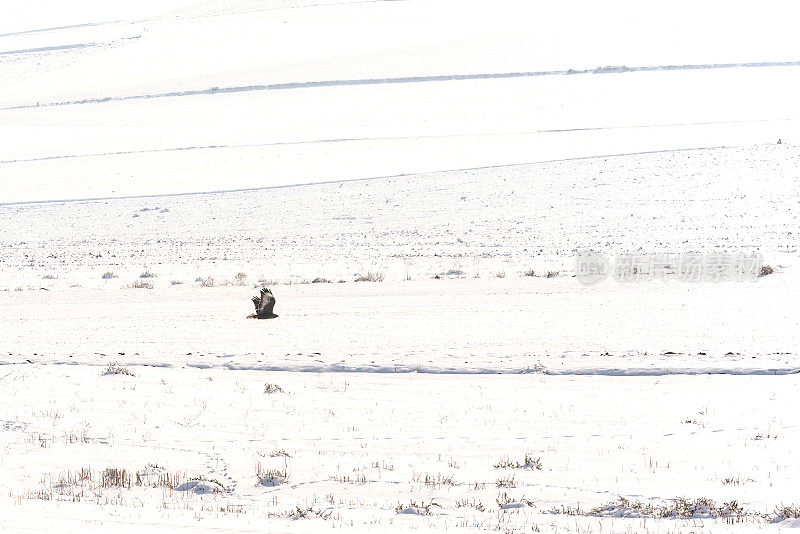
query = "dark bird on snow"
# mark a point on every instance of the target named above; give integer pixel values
(264, 305)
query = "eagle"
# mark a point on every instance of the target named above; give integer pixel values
(264, 305)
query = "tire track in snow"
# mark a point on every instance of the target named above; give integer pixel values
(405, 79)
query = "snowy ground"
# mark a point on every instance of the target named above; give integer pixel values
(460, 326)
(349, 448)
(200, 149)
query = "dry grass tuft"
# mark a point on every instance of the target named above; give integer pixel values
(116, 369)
(370, 277)
(273, 388)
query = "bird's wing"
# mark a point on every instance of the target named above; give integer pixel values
(267, 302)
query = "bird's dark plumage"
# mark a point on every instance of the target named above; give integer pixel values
(264, 305)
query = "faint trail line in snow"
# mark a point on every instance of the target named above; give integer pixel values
(406, 79)
(368, 178)
(411, 369)
(246, 145)
(59, 28)
(47, 49)
(383, 138)
(664, 125)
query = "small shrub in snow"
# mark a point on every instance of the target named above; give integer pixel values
(153, 476)
(505, 501)
(357, 478)
(139, 284)
(208, 281)
(528, 272)
(506, 463)
(786, 512)
(530, 462)
(507, 482)
(370, 277)
(567, 510)
(416, 509)
(766, 270)
(240, 279)
(49, 277)
(301, 513)
(319, 280)
(439, 480)
(108, 275)
(176, 282)
(310, 512)
(273, 388)
(501, 274)
(551, 274)
(537, 369)
(148, 274)
(272, 477)
(477, 505)
(116, 369)
(115, 478)
(731, 481)
(76, 437)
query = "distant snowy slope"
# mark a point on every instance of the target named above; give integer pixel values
(181, 45)
(103, 101)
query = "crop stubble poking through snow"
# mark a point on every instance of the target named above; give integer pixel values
(469, 223)
(385, 450)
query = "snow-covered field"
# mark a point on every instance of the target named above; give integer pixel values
(350, 449)
(160, 161)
